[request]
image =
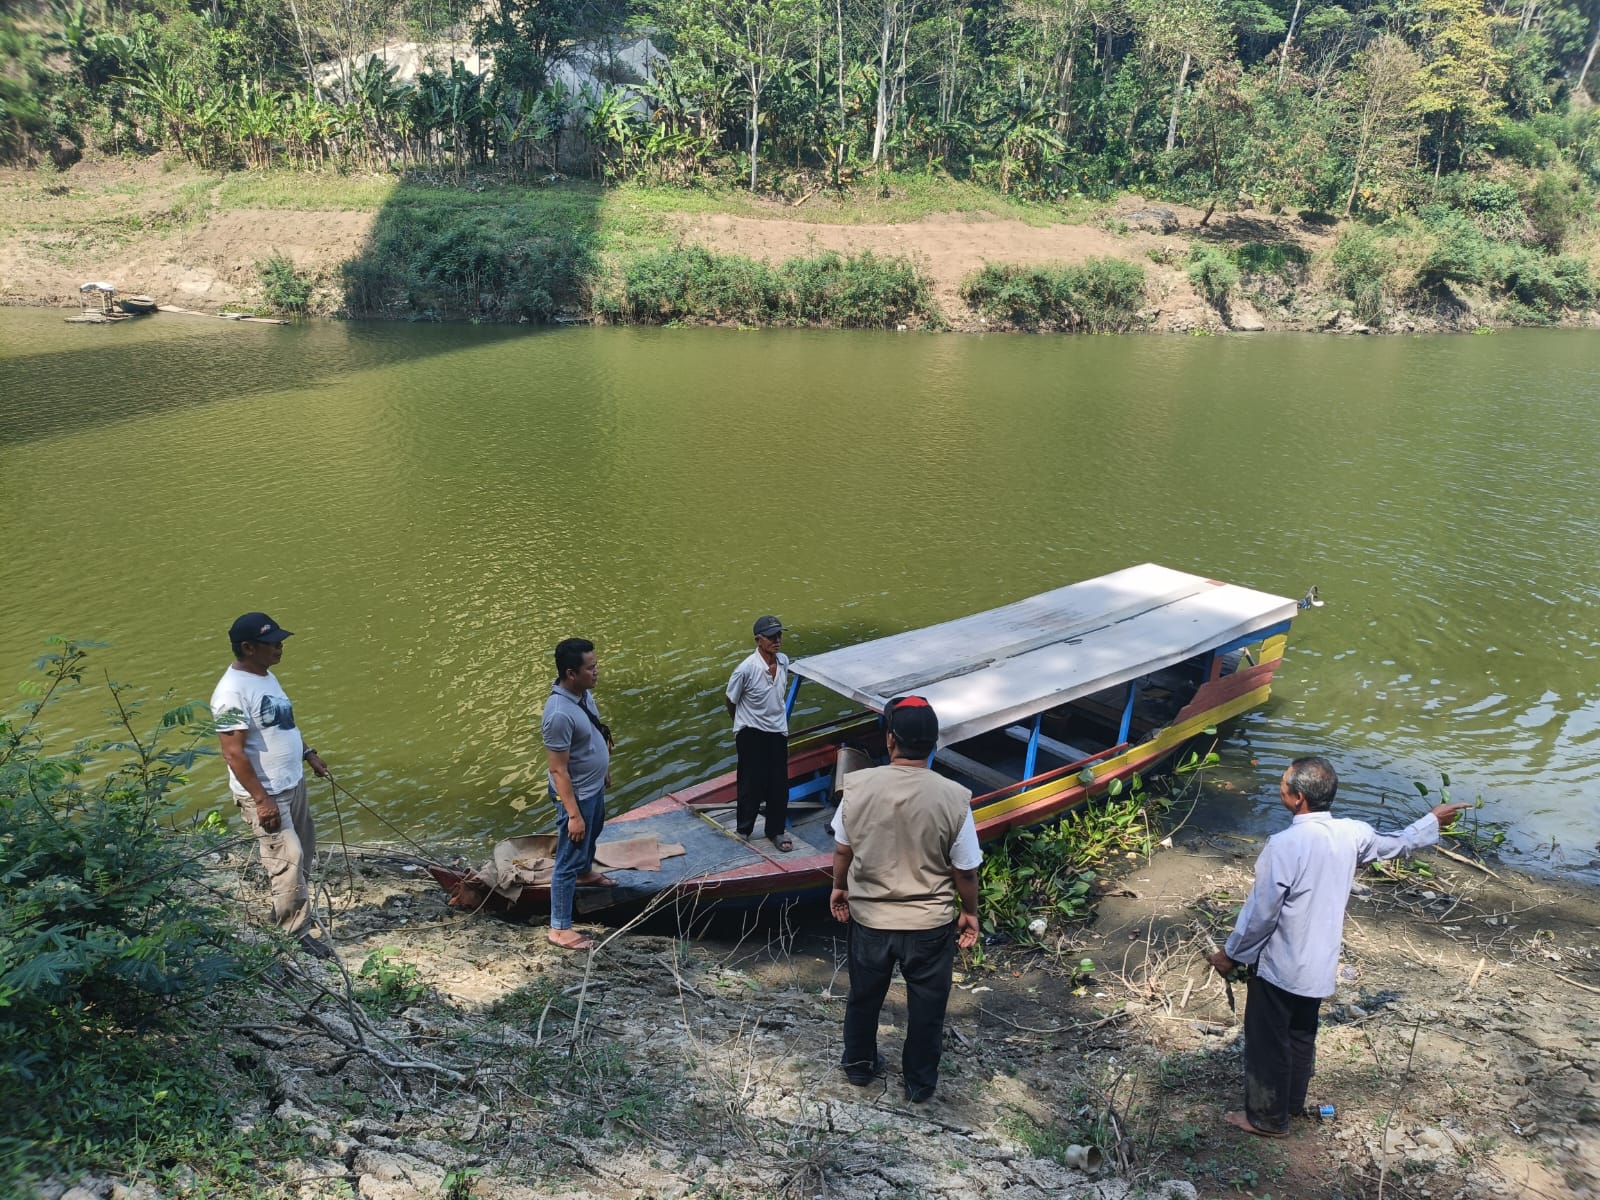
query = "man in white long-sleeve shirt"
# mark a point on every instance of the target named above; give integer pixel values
(1289, 932)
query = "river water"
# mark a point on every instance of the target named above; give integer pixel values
(431, 508)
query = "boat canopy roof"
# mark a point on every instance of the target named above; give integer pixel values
(996, 668)
(94, 286)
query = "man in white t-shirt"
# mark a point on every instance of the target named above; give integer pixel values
(757, 700)
(906, 849)
(266, 755)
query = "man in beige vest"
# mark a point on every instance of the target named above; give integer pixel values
(905, 849)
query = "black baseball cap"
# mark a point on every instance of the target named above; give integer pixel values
(912, 721)
(257, 627)
(768, 626)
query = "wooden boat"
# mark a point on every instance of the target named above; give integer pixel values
(137, 306)
(1043, 703)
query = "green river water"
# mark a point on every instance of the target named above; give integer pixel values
(431, 508)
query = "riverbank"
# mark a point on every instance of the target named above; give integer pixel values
(457, 1055)
(197, 240)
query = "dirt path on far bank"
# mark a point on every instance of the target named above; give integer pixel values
(1462, 1053)
(948, 247)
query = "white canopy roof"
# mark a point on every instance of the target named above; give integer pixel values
(1002, 666)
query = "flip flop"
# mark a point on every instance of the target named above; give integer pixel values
(783, 842)
(599, 880)
(583, 943)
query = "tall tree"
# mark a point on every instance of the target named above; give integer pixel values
(1462, 70)
(1381, 87)
(1184, 32)
(752, 37)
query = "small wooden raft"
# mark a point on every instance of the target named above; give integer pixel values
(244, 318)
(91, 317)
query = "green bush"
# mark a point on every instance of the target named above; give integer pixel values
(1542, 287)
(1522, 142)
(103, 939)
(1213, 274)
(1555, 203)
(475, 263)
(1102, 296)
(1285, 260)
(1459, 254)
(1361, 265)
(692, 284)
(283, 288)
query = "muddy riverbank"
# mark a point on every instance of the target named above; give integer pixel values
(476, 1060)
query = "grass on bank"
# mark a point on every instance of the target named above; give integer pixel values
(1103, 295)
(892, 199)
(863, 291)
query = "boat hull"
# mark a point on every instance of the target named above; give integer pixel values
(722, 870)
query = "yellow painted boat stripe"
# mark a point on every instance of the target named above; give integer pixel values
(1168, 739)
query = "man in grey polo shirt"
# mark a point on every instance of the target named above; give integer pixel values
(1289, 932)
(578, 746)
(905, 849)
(757, 700)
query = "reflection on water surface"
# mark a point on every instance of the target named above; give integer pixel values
(432, 508)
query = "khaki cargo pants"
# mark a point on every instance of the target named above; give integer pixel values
(287, 854)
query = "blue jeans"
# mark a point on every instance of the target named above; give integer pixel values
(574, 858)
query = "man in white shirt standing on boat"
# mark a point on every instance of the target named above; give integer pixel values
(266, 756)
(905, 850)
(757, 700)
(1290, 930)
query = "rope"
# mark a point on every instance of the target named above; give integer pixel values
(339, 788)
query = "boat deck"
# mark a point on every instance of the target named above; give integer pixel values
(712, 850)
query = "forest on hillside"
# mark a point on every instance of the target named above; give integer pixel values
(1341, 106)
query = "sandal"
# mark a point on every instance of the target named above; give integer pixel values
(783, 842)
(582, 942)
(596, 880)
(1239, 1121)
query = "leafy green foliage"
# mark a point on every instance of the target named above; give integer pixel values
(1282, 260)
(1460, 253)
(1542, 288)
(388, 984)
(692, 284)
(1213, 274)
(435, 260)
(1050, 872)
(1361, 266)
(283, 288)
(104, 936)
(1101, 296)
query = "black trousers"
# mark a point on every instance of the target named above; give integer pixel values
(763, 780)
(1280, 1053)
(925, 958)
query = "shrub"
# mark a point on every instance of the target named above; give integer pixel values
(1520, 141)
(693, 284)
(1555, 203)
(283, 288)
(1459, 254)
(479, 263)
(1361, 265)
(1542, 287)
(1285, 260)
(102, 937)
(1213, 274)
(1102, 296)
